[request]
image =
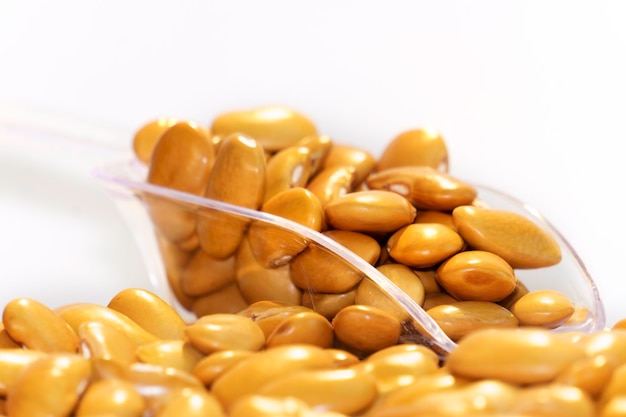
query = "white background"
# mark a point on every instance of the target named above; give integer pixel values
(529, 95)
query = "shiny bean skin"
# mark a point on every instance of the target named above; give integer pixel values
(515, 238)
(518, 356)
(372, 211)
(114, 396)
(269, 316)
(425, 187)
(366, 329)
(435, 216)
(332, 182)
(345, 390)
(362, 161)
(177, 354)
(79, 313)
(36, 326)
(258, 283)
(225, 300)
(182, 160)
(544, 308)
(189, 402)
(461, 318)
(274, 127)
(104, 341)
(50, 386)
(12, 362)
(369, 293)
(213, 365)
(204, 274)
(216, 332)
(415, 147)
(264, 406)
(326, 304)
(306, 327)
(150, 312)
(148, 135)
(288, 168)
(250, 375)
(553, 400)
(423, 245)
(590, 373)
(237, 177)
(318, 146)
(477, 276)
(273, 246)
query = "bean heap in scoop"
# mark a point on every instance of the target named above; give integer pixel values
(425, 230)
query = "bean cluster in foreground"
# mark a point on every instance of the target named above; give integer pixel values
(137, 357)
(425, 230)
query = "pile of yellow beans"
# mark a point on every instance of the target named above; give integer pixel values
(425, 230)
(136, 357)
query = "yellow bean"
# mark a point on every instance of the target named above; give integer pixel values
(519, 356)
(362, 161)
(150, 312)
(326, 304)
(425, 187)
(332, 182)
(189, 402)
(275, 127)
(515, 238)
(225, 300)
(422, 245)
(250, 375)
(346, 390)
(237, 177)
(552, 400)
(204, 274)
(371, 211)
(177, 354)
(38, 327)
(544, 308)
(49, 386)
(366, 329)
(12, 362)
(415, 147)
(264, 406)
(305, 327)
(148, 135)
(216, 332)
(105, 341)
(114, 396)
(477, 276)
(288, 168)
(212, 366)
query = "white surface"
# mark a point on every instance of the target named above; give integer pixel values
(530, 97)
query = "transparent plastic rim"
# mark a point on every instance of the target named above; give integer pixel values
(109, 173)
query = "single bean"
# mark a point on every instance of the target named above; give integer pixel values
(12, 362)
(275, 246)
(435, 216)
(590, 373)
(515, 238)
(102, 340)
(205, 274)
(332, 182)
(429, 280)
(366, 329)
(518, 356)
(149, 311)
(264, 406)
(49, 386)
(114, 396)
(250, 375)
(174, 261)
(544, 308)
(362, 161)
(288, 168)
(36, 326)
(177, 354)
(225, 300)
(269, 316)
(372, 211)
(424, 245)
(552, 400)
(258, 283)
(213, 365)
(216, 332)
(79, 313)
(182, 160)
(435, 299)
(318, 146)
(415, 147)
(189, 402)
(237, 177)
(400, 365)
(369, 293)
(305, 327)
(461, 318)
(274, 127)
(346, 390)
(146, 137)
(328, 305)
(608, 343)
(425, 187)
(477, 276)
